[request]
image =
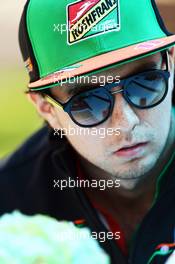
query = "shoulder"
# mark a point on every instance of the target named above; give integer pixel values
(25, 176)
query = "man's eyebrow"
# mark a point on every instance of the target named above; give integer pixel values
(77, 88)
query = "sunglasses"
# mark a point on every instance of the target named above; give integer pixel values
(92, 107)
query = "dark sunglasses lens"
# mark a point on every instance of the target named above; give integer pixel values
(91, 108)
(147, 89)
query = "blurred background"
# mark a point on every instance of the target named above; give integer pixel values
(18, 118)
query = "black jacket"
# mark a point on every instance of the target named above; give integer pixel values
(27, 184)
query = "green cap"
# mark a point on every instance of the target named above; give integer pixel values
(64, 39)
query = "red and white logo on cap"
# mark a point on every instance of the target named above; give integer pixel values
(88, 18)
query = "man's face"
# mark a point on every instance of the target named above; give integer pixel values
(147, 130)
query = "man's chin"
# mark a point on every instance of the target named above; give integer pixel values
(135, 173)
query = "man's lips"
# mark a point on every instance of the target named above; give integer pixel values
(130, 150)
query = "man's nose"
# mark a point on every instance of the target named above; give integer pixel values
(123, 115)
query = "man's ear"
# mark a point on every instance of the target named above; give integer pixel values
(45, 109)
(171, 52)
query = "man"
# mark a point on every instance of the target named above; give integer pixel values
(104, 41)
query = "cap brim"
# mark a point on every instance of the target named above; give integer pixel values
(104, 60)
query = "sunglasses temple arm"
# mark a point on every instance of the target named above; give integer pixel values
(167, 61)
(53, 102)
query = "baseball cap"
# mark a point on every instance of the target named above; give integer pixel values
(61, 40)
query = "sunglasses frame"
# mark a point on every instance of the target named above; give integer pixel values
(106, 89)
